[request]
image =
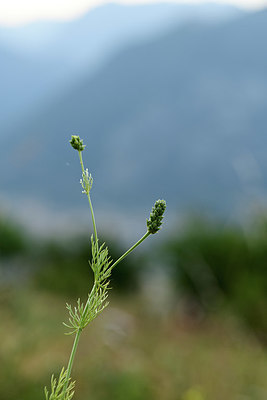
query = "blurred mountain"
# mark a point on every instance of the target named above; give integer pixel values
(182, 116)
(45, 58)
(20, 85)
(106, 27)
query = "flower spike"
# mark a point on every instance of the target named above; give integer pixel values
(77, 143)
(156, 216)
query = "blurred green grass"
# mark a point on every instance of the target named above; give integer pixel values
(128, 353)
(205, 340)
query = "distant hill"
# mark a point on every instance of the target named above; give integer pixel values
(22, 82)
(108, 25)
(49, 57)
(182, 117)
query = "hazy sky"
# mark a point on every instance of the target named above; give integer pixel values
(21, 11)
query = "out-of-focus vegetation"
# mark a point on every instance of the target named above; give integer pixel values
(64, 267)
(12, 241)
(127, 353)
(223, 267)
(61, 265)
(198, 349)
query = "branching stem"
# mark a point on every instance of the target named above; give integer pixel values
(102, 266)
(79, 331)
(130, 250)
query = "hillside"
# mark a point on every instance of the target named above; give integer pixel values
(181, 117)
(49, 56)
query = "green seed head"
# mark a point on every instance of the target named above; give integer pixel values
(156, 216)
(77, 143)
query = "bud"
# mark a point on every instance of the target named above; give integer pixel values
(156, 216)
(77, 143)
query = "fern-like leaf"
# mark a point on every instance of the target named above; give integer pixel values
(57, 388)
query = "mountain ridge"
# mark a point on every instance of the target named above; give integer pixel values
(172, 118)
(53, 55)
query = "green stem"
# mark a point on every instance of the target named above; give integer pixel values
(71, 359)
(75, 345)
(79, 331)
(89, 299)
(89, 200)
(131, 249)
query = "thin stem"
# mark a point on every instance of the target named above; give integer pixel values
(94, 290)
(130, 250)
(75, 345)
(89, 200)
(93, 218)
(71, 359)
(79, 331)
(89, 299)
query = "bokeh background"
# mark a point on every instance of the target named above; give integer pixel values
(171, 101)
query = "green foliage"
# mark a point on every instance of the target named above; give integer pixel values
(101, 266)
(12, 240)
(121, 385)
(217, 265)
(64, 267)
(57, 387)
(153, 358)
